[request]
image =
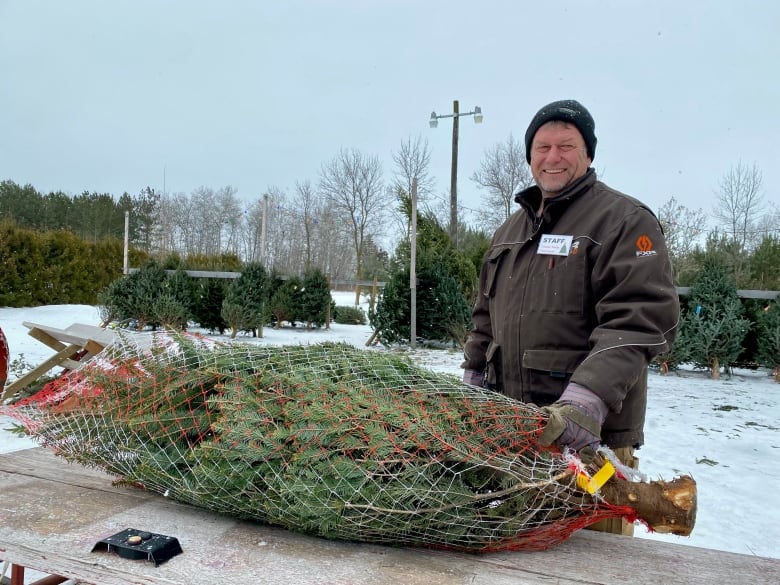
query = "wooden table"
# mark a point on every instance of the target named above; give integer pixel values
(53, 513)
(72, 346)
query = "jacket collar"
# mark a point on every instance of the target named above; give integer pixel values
(530, 198)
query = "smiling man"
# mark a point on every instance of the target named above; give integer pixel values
(576, 296)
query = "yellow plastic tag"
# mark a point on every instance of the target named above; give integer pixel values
(592, 484)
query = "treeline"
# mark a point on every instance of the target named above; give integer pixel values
(288, 234)
(337, 223)
(89, 216)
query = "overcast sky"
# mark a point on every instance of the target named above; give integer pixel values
(112, 96)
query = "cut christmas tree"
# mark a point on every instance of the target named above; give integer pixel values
(334, 441)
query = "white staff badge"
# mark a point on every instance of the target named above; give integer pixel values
(554, 245)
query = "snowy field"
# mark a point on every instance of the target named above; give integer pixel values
(725, 433)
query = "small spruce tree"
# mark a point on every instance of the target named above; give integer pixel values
(285, 304)
(236, 314)
(146, 286)
(115, 302)
(182, 289)
(391, 316)
(170, 312)
(442, 311)
(315, 299)
(445, 283)
(714, 322)
(245, 299)
(209, 295)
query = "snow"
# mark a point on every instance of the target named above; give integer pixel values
(725, 433)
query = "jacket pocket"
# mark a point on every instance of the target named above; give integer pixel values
(549, 371)
(493, 263)
(561, 288)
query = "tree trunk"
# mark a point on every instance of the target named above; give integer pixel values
(715, 369)
(667, 507)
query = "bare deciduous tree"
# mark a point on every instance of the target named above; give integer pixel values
(230, 218)
(412, 160)
(330, 228)
(301, 233)
(503, 172)
(283, 234)
(250, 231)
(177, 232)
(205, 225)
(682, 229)
(352, 182)
(769, 224)
(740, 203)
(305, 202)
(334, 253)
(170, 219)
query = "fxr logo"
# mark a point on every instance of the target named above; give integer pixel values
(644, 246)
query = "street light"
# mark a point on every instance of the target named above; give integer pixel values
(434, 122)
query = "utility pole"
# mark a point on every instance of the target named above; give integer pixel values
(454, 177)
(434, 122)
(126, 256)
(413, 269)
(262, 229)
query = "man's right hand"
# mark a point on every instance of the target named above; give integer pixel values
(474, 377)
(575, 419)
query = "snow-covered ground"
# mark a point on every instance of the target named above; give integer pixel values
(725, 433)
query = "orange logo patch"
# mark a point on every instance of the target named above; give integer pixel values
(644, 246)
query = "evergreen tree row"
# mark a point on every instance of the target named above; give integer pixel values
(55, 267)
(153, 297)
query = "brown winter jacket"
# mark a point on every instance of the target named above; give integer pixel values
(595, 315)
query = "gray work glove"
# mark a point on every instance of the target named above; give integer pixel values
(575, 419)
(474, 377)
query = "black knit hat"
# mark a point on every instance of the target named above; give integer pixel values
(567, 111)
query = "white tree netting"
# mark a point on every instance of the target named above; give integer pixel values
(324, 439)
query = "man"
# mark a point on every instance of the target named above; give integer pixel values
(575, 295)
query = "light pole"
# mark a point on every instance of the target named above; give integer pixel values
(434, 122)
(262, 229)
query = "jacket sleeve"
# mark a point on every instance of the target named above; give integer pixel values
(481, 335)
(636, 307)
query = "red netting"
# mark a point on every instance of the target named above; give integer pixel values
(324, 439)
